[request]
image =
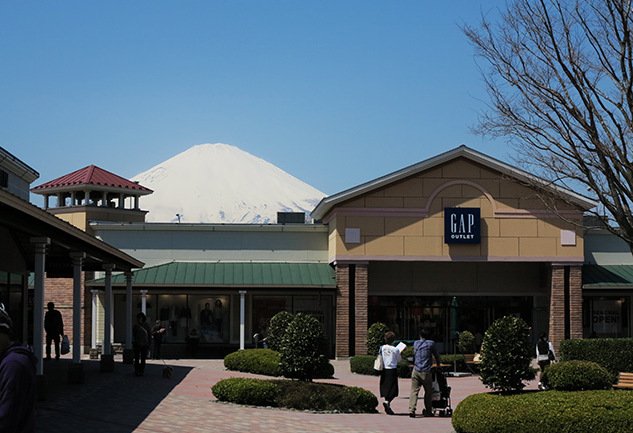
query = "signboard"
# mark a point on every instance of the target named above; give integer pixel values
(462, 225)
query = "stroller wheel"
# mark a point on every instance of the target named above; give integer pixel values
(449, 412)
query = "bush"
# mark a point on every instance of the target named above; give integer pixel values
(257, 361)
(376, 337)
(255, 392)
(576, 376)
(295, 395)
(506, 355)
(550, 411)
(325, 397)
(302, 348)
(447, 358)
(466, 342)
(614, 354)
(277, 329)
(364, 364)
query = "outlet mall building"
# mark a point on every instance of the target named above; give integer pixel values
(451, 243)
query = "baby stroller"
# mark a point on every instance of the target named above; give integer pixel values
(441, 394)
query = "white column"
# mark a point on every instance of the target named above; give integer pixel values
(128, 310)
(121, 201)
(25, 310)
(107, 330)
(46, 197)
(95, 294)
(104, 199)
(144, 302)
(77, 259)
(136, 204)
(60, 200)
(242, 317)
(38, 301)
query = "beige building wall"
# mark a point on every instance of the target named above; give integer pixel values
(406, 220)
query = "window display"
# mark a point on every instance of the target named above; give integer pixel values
(210, 318)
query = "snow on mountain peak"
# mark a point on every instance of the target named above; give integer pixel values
(220, 183)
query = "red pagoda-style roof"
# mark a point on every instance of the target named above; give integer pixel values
(91, 176)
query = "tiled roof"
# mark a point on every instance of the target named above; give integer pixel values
(91, 175)
(263, 275)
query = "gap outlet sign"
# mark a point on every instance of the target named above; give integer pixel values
(462, 225)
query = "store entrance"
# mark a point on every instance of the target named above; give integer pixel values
(405, 315)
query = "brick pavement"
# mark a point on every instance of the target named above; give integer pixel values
(119, 402)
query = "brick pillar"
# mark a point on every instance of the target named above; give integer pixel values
(361, 309)
(575, 301)
(342, 311)
(557, 306)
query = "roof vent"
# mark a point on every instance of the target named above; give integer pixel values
(291, 218)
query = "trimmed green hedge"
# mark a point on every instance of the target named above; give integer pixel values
(257, 361)
(546, 411)
(576, 376)
(364, 364)
(266, 362)
(295, 395)
(614, 354)
(254, 392)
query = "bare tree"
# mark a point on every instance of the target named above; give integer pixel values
(560, 78)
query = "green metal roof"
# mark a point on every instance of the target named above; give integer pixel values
(607, 277)
(190, 274)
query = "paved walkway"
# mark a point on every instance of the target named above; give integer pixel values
(119, 402)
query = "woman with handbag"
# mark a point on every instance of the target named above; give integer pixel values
(544, 355)
(389, 374)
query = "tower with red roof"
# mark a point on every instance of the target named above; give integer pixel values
(93, 194)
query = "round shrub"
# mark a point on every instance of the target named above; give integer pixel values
(296, 395)
(363, 364)
(257, 361)
(506, 355)
(246, 391)
(324, 370)
(466, 342)
(376, 337)
(576, 376)
(302, 348)
(551, 411)
(277, 328)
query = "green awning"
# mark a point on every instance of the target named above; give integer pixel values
(263, 275)
(607, 277)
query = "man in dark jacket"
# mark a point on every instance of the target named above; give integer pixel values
(17, 381)
(54, 327)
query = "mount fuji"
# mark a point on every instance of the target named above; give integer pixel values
(220, 183)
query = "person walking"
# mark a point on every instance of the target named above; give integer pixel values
(141, 339)
(421, 376)
(158, 331)
(389, 374)
(54, 327)
(17, 381)
(544, 356)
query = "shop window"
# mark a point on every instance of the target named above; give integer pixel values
(210, 317)
(174, 315)
(609, 317)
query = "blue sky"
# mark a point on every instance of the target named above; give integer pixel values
(334, 92)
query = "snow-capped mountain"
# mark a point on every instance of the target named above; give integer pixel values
(220, 183)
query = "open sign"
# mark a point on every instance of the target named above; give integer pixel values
(462, 225)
